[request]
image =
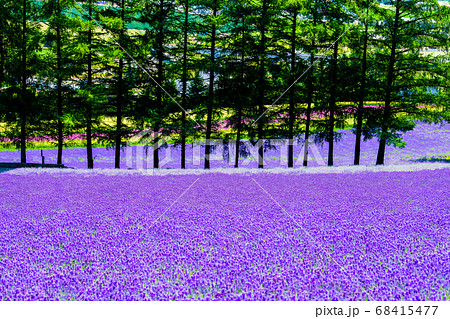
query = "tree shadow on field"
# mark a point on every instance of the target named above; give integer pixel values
(4, 169)
(432, 159)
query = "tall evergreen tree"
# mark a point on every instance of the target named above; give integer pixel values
(310, 24)
(23, 102)
(248, 49)
(19, 56)
(93, 57)
(294, 8)
(363, 8)
(211, 15)
(405, 28)
(90, 158)
(159, 17)
(120, 88)
(265, 13)
(284, 37)
(89, 68)
(116, 19)
(60, 35)
(335, 15)
(262, 58)
(186, 28)
(235, 78)
(4, 19)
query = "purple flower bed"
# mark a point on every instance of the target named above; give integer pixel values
(423, 143)
(95, 237)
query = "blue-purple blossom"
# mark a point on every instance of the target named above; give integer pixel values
(425, 142)
(347, 236)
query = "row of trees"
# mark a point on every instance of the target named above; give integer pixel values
(270, 68)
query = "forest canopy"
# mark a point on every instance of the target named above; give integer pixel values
(268, 69)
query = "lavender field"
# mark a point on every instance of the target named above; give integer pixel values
(425, 143)
(316, 233)
(69, 235)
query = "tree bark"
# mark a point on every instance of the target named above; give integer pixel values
(262, 83)
(308, 109)
(238, 137)
(387, 102)
(90, 160)
(158, 89)
(332, 104)
(118, 137)
(361, 95)
(59, 85)
(241, 100)
(292, 94)
(2, 56)
(184, 89)
(211, 93)
(23, 112)
(310, 94)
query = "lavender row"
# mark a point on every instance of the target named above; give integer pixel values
(81, 237)
(422, 144)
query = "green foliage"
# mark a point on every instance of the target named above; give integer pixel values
(251, 70)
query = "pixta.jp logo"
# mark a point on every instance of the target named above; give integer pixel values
(141, 148)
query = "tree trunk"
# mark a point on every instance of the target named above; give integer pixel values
(292, 95)
(158, 89)
(262, 92)
(211, 94)
(308, 109)
(23, 112)
(2, 56)
(387, 102)
(184, 80)
(156, 145)
(59, 86)
(241, 100)
(310, 94)
(90, 160)
(361, 96)
(332, 104)
(118, 137)
(238, 137)
(183, 140)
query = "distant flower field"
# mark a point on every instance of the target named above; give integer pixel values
(425, 143)
(70, 235)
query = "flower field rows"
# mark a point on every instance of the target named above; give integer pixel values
(425, 143)
(225, 237)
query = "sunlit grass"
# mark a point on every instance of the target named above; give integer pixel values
(347, 122)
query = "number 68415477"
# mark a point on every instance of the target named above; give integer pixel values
(406, 310)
